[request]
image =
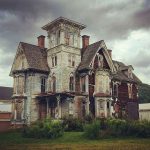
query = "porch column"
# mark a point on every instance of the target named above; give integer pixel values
(58, 113)
(47, 108)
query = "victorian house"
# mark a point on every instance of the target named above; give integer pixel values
(64, 79)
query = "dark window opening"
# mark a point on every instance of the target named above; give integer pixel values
(108, 105)
(71, 84)
(43, 87)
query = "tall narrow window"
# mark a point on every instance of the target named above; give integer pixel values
(130, 91)
(58, 37)
(115, 90)
(67, 37)
(71, 83)
(75, 39)
(54, 60)
(83, 86)
(54, 84)
(69, 59)
(43, 83)
(73, 60)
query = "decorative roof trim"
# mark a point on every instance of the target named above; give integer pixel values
(62, 19)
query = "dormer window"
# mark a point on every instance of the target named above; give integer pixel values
(100, 60)
(116, 66)
(130, 73)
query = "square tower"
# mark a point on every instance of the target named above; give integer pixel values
(63, 53)
(63, 31)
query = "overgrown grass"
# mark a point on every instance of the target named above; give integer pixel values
(70, 141)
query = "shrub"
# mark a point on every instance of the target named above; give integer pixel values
(104, 128)
(88, 119)
(44, 129)
(92, 131)
(72, 124)
(139, 129)
(117, 127)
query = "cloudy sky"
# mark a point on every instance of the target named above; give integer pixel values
(124, 25)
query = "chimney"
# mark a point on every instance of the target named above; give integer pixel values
(41, 41)
(110, 53)
(85, 43)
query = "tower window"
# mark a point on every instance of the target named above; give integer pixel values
(54, 60)
(71, 83)
(71, 60)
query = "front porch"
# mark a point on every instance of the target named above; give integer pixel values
(59, 105)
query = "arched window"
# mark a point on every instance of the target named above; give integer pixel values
(54, 84)
(71, 83)
(100, 60)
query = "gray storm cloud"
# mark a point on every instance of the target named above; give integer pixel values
(21, 20)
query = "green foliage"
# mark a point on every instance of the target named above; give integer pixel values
(117, 128)
(72, 124)
(144, 93)
(92, 131)
(88, 118)
(44, 129)
(139, 129)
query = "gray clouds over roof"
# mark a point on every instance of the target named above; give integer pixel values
(21, 20)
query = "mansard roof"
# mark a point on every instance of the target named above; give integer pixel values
(36, 57)
(63, 20)
(121, 76)
(88, 55)
(5, 93)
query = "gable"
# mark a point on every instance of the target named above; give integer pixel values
(90, 54)
(30, 56)
(20, 60)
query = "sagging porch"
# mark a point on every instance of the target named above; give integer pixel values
(59, 105)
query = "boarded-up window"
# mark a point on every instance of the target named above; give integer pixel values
(132, 110)
(54, 84)
(83, 84)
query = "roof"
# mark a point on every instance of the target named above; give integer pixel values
(36, 57)
(120, 75)
(63, 20)
(5, 93)
(88, 55)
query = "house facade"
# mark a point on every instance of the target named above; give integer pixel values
(64, 79)
(5, 108)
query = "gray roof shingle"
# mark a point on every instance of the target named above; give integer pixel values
(36, 57)
(88, 55)
(120, 75)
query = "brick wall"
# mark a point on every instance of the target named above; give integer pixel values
(5, 122)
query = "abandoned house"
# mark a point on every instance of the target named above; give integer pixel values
(64, 79)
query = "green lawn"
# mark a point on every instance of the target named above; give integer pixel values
(70, 141)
